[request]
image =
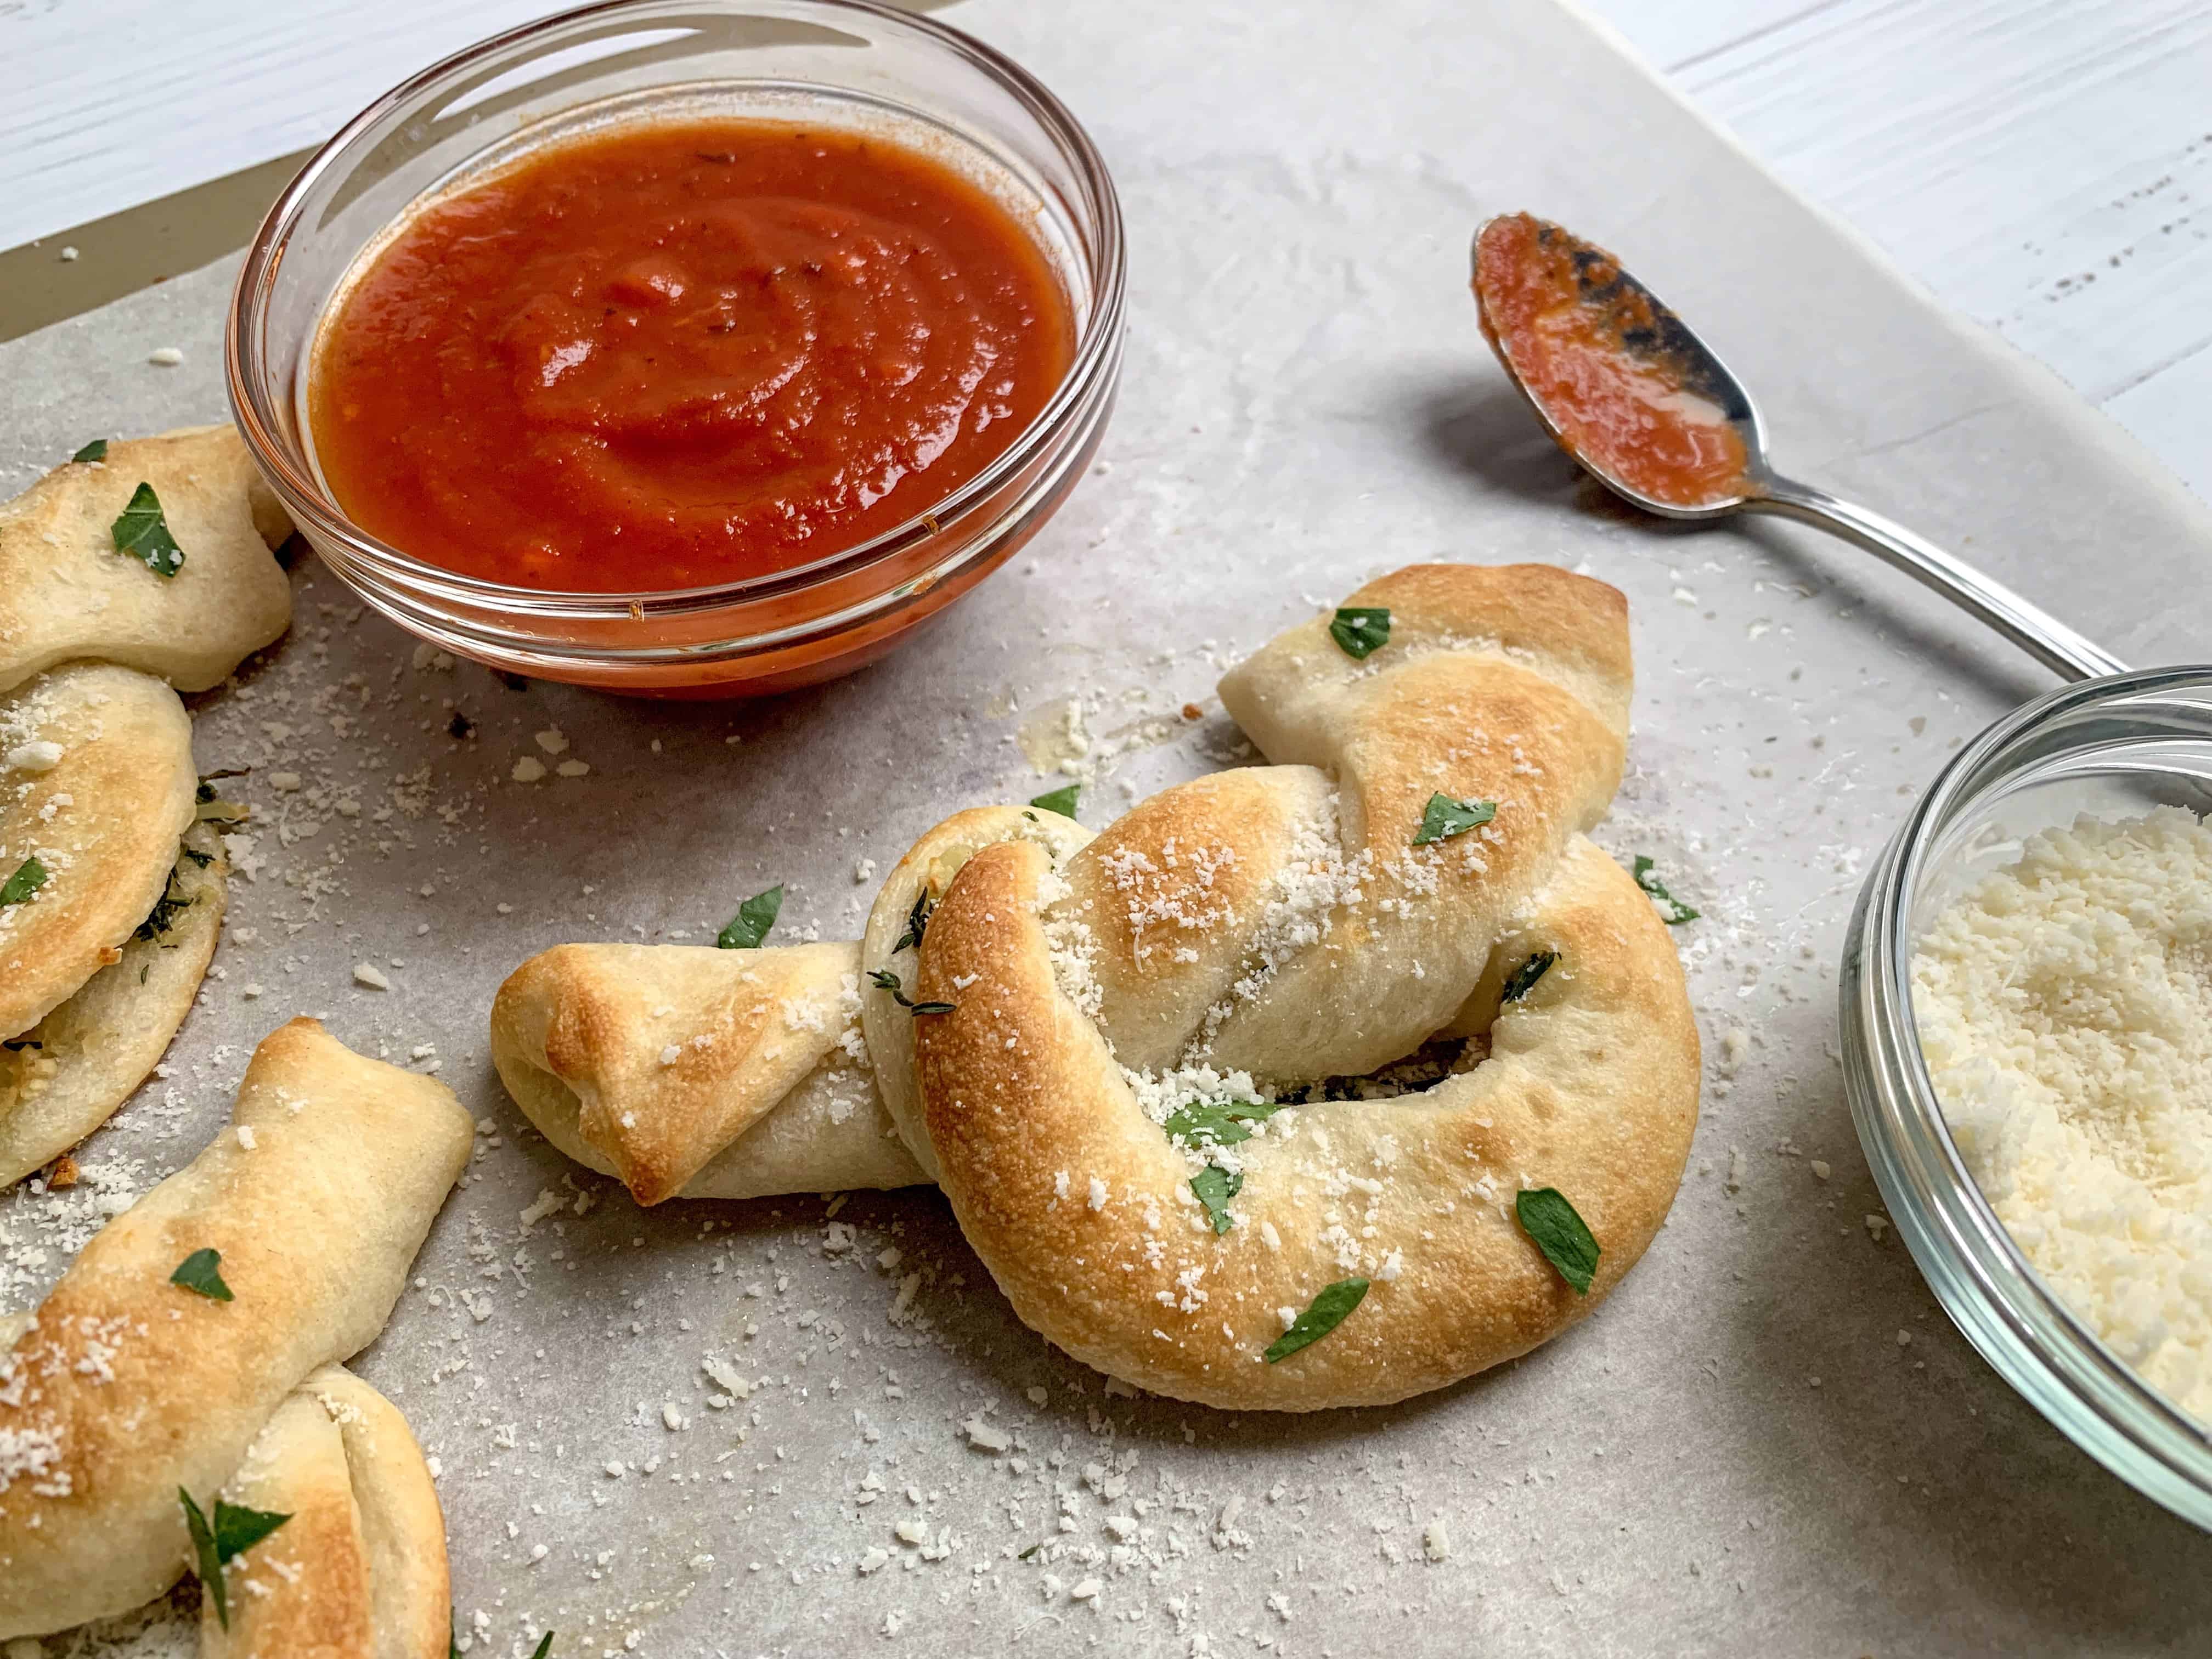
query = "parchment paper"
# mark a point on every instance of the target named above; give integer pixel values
(1769, 1441)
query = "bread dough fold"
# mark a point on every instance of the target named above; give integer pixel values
(125, 1387)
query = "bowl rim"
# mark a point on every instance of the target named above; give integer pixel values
(1980, 1275)
(1096, 355)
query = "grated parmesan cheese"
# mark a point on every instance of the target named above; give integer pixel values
(2065, 1008)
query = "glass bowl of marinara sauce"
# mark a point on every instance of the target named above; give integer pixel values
(685, 347)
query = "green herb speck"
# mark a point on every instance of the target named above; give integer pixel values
(143, 533)
(1219, 1122)
(1061, 800)
(1215, 1187)
(30, 876)
(1360, 630)
(235, 1530)
(1325, 1313)
(755, 917)
(202, 1271)
(884, 979)
(1547, 1217)
(1677, 912)
(1522, 980)
(1444, 817)
(917, 922)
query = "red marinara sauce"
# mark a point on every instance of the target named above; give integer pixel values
(1588, 346)
(674, 355)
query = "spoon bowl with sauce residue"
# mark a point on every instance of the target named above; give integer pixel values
(1653, 414)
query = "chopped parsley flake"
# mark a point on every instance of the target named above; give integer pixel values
(94, 451)
(30, 876)
(235, 1530)
(1677, 912)
(1547, 1217)
(1215, 1187)
(755, 917)
(168, 907)
(1327, 1311)
(1219, 1122)
(202, 1271)
(143, 533)
(1360, 630)
(1445, 818)
(1061, 800)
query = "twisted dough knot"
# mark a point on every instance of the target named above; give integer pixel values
(129, 1385)
(1241, 944)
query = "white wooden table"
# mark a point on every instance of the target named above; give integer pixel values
(2040, 164)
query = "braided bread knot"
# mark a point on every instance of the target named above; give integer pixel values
(1283, 1037)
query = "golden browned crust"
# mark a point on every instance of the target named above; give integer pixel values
(304, 1589)
(1249, 936)
(1590, 1086)
(925, 873)
(126, 1386)
(69, 1072)
(65, 593)
(102, 816)
(655, 1064)
(1282, 923)
(359, 1570)
(709, 1073)
(402, 1526)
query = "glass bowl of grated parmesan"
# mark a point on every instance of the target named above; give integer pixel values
(2026, 1034)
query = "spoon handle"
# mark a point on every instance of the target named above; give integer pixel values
(2036, 632)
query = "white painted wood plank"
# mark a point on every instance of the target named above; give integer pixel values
(107, 103)
(2168, 412)
(1675, 33)
(2041, 164)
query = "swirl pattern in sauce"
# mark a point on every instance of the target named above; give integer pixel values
(674, 355)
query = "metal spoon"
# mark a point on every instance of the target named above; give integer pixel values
(1639, 348)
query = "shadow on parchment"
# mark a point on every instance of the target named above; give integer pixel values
(1484, 431)
(1912, 1481)
(957, 1305)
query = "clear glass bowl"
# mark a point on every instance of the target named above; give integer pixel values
(2111, 747)
(846, 61)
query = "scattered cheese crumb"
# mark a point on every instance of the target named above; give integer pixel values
(987, 1436)
(39, 755)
